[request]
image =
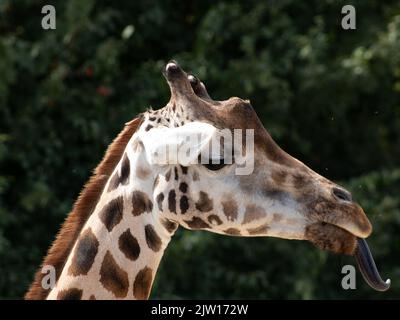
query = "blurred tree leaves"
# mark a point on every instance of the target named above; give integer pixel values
(329, 97)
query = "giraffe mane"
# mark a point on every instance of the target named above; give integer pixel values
(59, 251)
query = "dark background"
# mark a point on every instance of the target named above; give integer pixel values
(329, 97)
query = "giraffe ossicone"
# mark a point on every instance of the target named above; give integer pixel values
(113, 240)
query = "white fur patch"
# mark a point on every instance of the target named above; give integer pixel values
(181, 145)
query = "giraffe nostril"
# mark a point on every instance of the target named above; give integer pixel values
(342, 194)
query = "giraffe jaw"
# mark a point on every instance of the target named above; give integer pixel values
(330, 237)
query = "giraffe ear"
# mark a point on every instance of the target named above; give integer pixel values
(182, 145)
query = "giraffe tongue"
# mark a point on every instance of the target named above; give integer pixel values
(367, 267)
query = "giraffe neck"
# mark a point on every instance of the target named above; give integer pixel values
(121, 245)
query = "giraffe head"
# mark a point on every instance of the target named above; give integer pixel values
(201, 164)
(259, 191)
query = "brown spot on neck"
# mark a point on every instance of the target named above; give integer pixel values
(83, 208)
(111, 214)
(184, 169)
(142, 283)
(172, 201)
(114, 182)
(70, 294)
(122, 179)
(112, 277)
(184, 204)
(176, 173)
(152, 239)
(129, 245)
(140, 203)
(125, 170)
(84, 255)
(169, 225)
(160, 198)
(183, 187)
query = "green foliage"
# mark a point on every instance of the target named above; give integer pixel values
(329, 97)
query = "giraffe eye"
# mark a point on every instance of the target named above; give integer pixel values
(215, 166)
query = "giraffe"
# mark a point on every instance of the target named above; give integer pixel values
(112, 242)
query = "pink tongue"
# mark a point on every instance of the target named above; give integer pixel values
(367, 267)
